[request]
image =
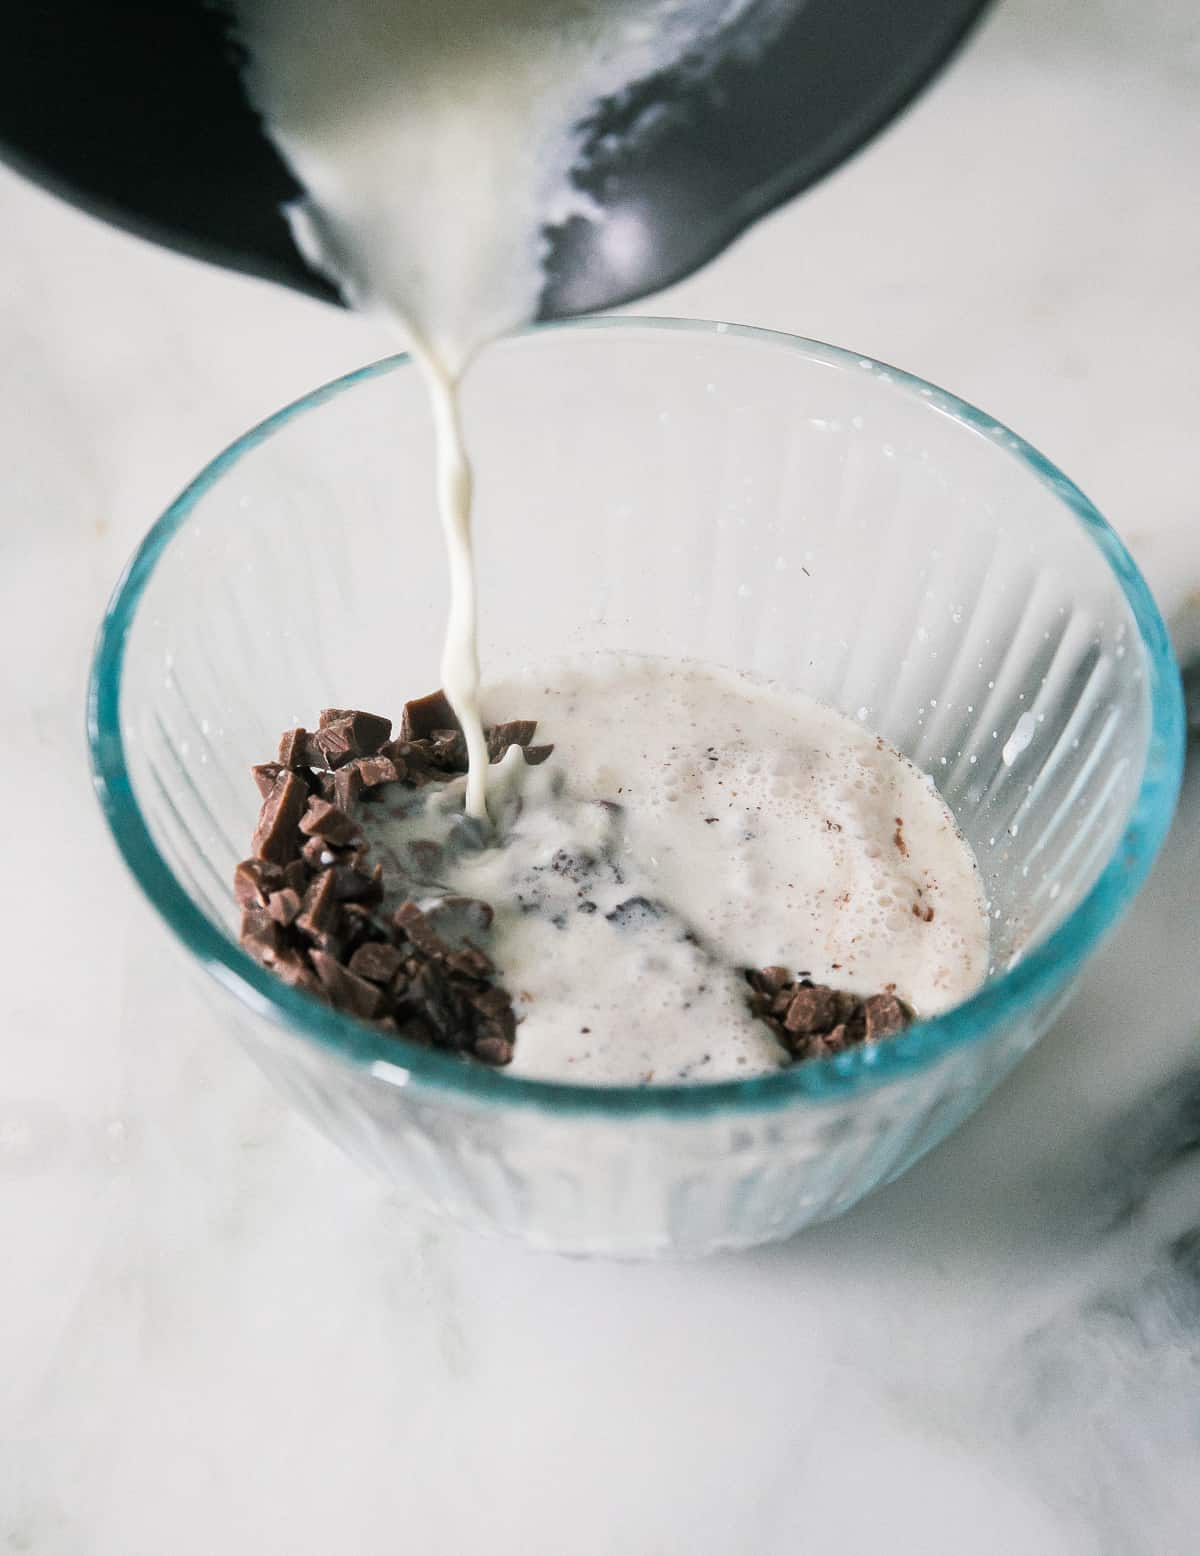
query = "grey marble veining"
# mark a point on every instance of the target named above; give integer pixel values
(215, 1335)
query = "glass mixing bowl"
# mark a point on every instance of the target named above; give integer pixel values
(675, 488)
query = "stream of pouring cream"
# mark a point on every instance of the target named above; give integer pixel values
(460, 650)
(436, 141)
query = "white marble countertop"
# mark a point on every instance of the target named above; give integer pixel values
(216, 1336)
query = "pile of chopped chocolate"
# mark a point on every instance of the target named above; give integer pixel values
(312, 903)
(812, 1020)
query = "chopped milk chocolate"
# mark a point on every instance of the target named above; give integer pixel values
(311, 899)
(422, 715)
(276, 838)
(812, 1020)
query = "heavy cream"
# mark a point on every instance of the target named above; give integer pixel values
(691, 824)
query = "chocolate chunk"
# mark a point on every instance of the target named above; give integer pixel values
(291, 967)
(432, 991)
(335, 745)
(813, 1021)
(493, 1004)
(412, 922)
(318, 853)
(292, 748)
(354, 884)
(423, 715)
(253, 882)
(811, 1010)
(284, 906)
(295, 875)
(311, 898)
(323, 820)
(261, 935)
(884, 1015)
(470, 962)
(356, 926)
(447, 750)
(265, 776)
(376, 770)
(347, 785)
(442, 933)
(518, 732)
(455, 918)
(401, 752)
(370, 730)
(275, 836)
(377, 961)
(311, 751)
(536, 755)
(346, 990)
(344, 735)
(494, 1050)
(320, 906)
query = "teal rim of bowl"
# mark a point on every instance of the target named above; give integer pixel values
(1039, 974)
